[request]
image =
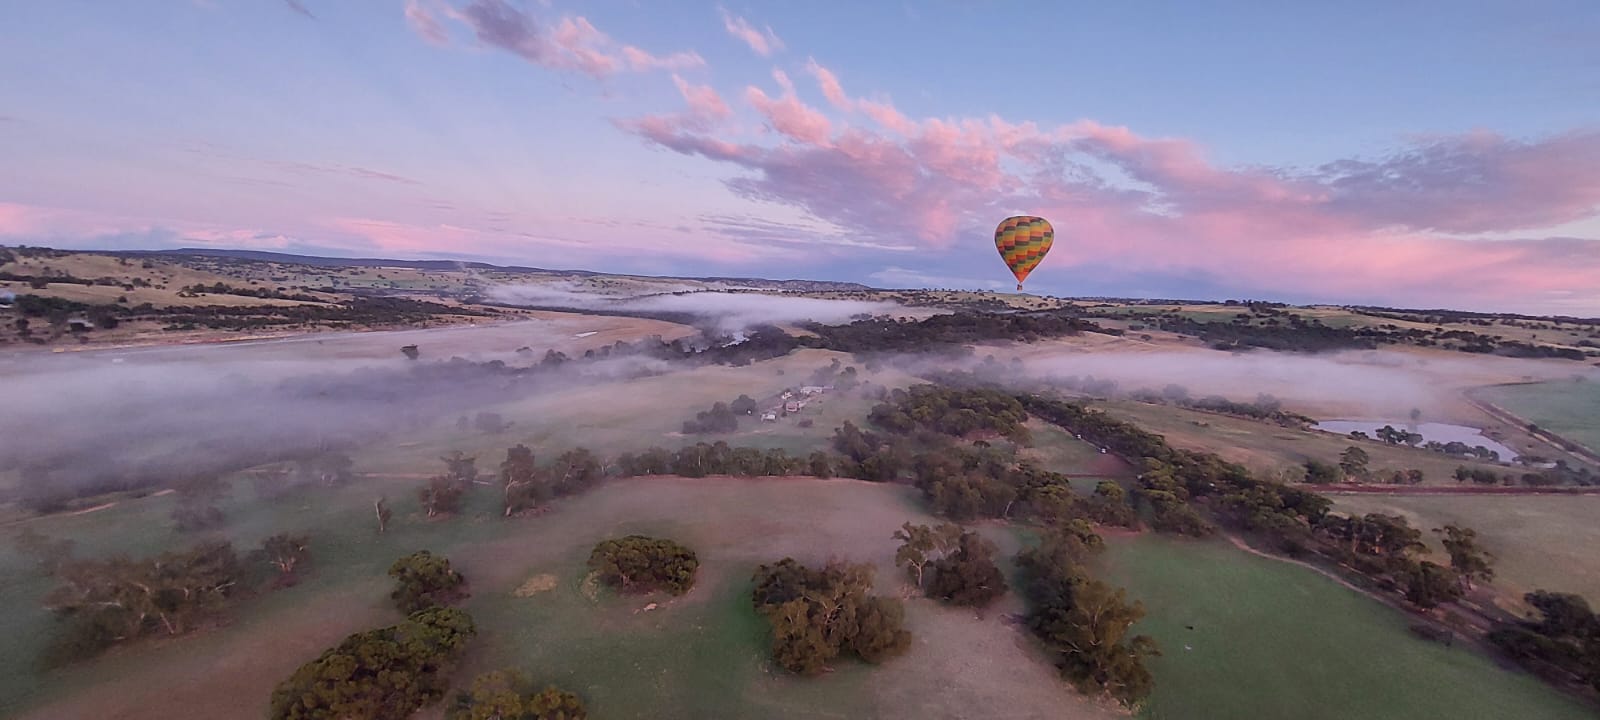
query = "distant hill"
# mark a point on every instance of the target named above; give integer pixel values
(316, 261)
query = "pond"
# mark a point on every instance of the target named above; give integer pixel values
(1434, 432)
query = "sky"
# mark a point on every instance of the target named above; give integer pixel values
(1414, 154)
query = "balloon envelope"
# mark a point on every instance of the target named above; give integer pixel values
(1023, 241)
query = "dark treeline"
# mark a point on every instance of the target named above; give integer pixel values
(889, 335)
(257, 292)
(1276, 329)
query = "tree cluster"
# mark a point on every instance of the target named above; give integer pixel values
(1560, 642)
(641, 564)
(106, 601)
(260, 292)
(950, 565)
(388, 672)
(891, 335)
(510, 695)
(817, 615)
(951, 411)
(721, 418)
(1085, 623)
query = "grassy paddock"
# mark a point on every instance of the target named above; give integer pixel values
(1274, 640)
(1567, 408)
(1541, 542)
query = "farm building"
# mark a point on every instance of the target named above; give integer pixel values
(769, 417)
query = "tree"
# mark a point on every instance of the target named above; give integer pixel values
(460, 468)
(441, 495)
(574, 471)
(820, 465)
(1428, 585)
(642, 564)
(286, 552)
(743, 405)
(509, 695)
(424, 580)
(1321, 473)
(1353, 461)
(389, 672)
(381, 508)
(520, 482)
(968, 576)
(817, 615)
(921, 545)
(1468, 560)
(1109, 505)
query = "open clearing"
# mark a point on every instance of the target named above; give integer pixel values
(702, 655)
(1541, 542)
(1274, 640)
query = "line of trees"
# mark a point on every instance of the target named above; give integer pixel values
(101, 602)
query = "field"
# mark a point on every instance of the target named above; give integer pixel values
(697, 656)
(1541, 542)
(1567, 408)
(1273, 640)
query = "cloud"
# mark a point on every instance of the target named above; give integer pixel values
(763, 42)
(899, 277)
(1363, 230)
(573, 43)
(730, 312)
(425, 23)
(299, 8)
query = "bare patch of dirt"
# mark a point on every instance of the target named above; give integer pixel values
(543, 582)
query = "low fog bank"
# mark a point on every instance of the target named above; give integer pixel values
(728, 313)
(1363, 383)
(76, 424)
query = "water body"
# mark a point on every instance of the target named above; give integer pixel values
(1435, 432)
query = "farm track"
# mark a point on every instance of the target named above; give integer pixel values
(1371, 489)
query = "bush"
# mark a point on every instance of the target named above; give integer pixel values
(425, 580)
(642, 564)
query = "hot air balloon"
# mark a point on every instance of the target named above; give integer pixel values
(1022, 241)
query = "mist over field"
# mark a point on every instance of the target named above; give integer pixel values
(1377, 382)
(91, 422)
(729, 312)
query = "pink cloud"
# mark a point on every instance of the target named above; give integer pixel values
(704, 102)
(764, 43)
(788, 115)
(573, 43)
(557, 241)
(425, 23)
(1352, 227)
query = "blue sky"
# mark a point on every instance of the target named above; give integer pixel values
(1404, 153)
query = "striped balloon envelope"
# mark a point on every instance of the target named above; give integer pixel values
(1023, 241)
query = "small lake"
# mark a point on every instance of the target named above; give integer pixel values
(1434, 432)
